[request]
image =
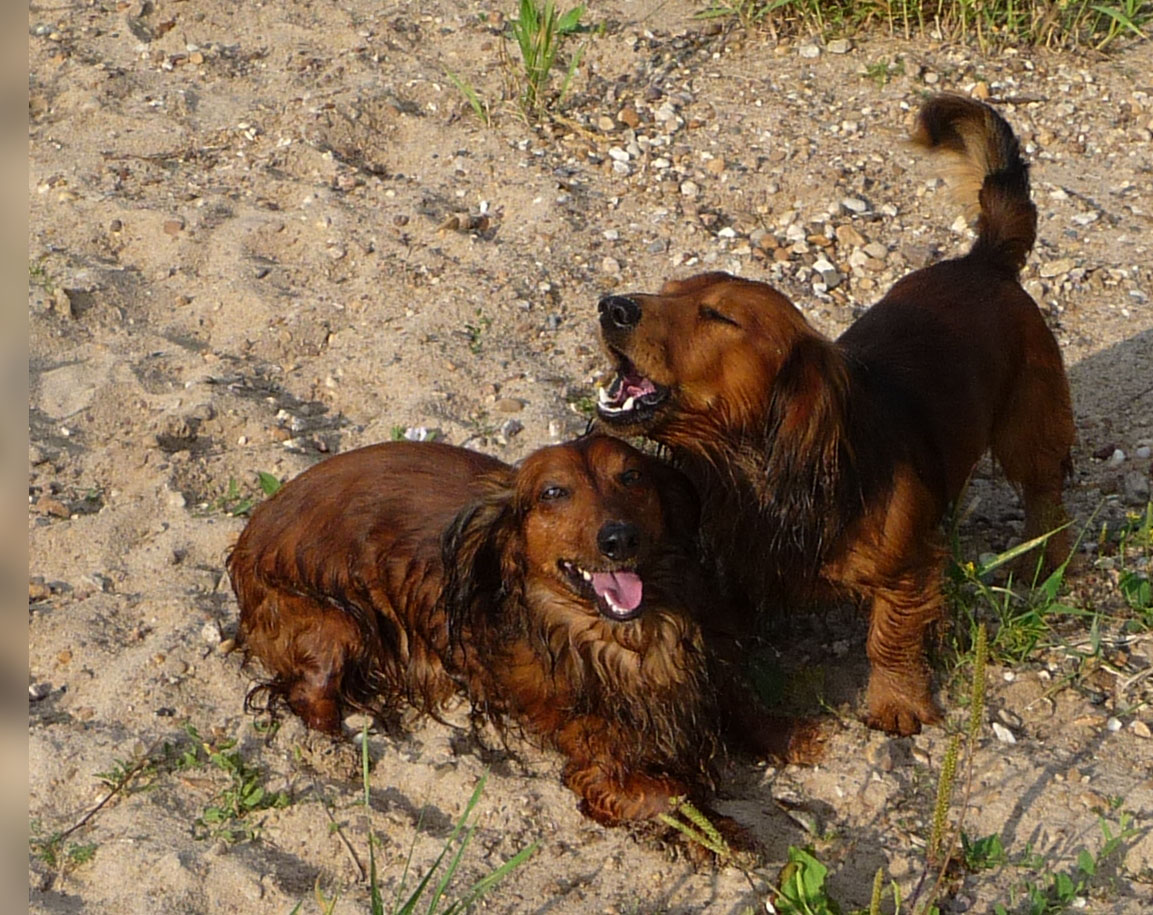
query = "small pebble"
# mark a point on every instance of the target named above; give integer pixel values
(854, 205)
(809, 51)
(210, 633)
(839, 46)
(1003, 734)
(629, 117)
(1135, 487)
(847, 235)
(1012, 719)
(38, 691)
(690, 188)
(1141, 729)
(1056, 268)
(1112, 724)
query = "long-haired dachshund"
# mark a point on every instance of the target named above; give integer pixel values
(827, 464)
(557, 595)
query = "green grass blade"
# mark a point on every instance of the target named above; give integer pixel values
(410, 904)
(1120, 18)
(1019, 550)
(451, 869)
(489, 881)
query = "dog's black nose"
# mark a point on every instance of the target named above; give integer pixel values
(619, 312)
(618, 540)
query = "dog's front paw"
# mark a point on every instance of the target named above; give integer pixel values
(900, 704)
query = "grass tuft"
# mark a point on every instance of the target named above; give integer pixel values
(540, 31)
(990, 23)
(428, 895)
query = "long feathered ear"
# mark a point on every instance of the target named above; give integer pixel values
(476, 550)
(807, 440)
(807, 409)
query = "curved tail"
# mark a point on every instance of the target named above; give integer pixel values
(988, 177)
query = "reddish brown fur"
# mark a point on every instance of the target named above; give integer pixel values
(406, 573)
(833, 462)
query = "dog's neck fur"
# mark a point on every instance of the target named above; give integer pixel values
(806, 478)
(648, 677)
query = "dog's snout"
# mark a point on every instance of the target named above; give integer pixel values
(619, 540)
(619, 312)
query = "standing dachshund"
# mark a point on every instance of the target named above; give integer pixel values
(828, 465)
(557, 596)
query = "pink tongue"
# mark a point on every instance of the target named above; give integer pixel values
(635, 386)
(622, 588)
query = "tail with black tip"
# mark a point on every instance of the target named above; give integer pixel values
(988, 176)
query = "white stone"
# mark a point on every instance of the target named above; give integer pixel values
(1003, 734)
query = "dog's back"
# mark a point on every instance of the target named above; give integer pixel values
(964, 332)
(365, 526)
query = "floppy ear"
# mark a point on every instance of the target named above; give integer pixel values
(479, 553)
(806, 421)
(694, 283)
(808, 447)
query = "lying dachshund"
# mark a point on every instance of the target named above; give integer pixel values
(557, 596)
(827, 465)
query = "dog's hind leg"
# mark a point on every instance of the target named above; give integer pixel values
(307, 646)
(1031, 440)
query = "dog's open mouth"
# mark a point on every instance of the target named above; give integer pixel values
(618, 593)
(631, 397)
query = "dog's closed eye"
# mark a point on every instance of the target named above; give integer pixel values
(711, 314)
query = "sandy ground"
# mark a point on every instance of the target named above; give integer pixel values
(250, 246)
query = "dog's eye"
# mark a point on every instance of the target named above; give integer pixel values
(630, 477)
(552, 493)
(711, 314)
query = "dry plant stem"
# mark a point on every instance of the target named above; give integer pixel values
(339, 830)
(141, 764)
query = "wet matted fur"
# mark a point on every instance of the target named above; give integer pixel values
(557, 595)
(828, 465)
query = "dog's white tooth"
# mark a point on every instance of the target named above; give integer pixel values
(603, 394)
(587, 575)
(628, 404)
